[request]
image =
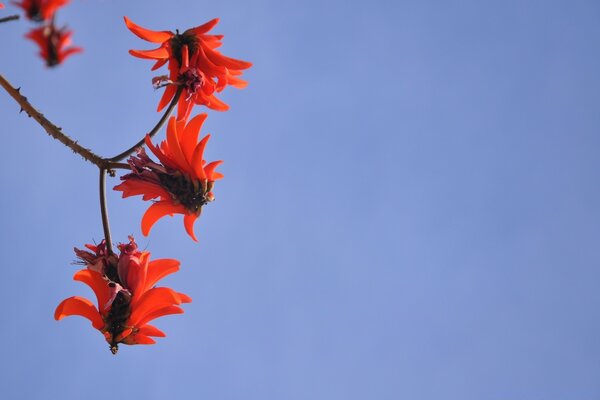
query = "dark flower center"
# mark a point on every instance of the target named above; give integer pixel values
(52, 41)
(116, 319)
(190, 195)
(34, 12)
(180, 40)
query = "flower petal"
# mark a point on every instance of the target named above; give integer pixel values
(147, 34)
(79, 306)
(160, 312)
(152, 300)
(97, 283)
(158, 269)
(188, 222)
(149, 330)
(158, 210)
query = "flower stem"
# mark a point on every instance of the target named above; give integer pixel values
(104, 211)
(52, 130)
(9, 18)
(154, 130)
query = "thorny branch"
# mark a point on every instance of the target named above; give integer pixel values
(49, 127)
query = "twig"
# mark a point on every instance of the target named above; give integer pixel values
(156, 128)
(104, 212)
(49, 127)
(9, 18)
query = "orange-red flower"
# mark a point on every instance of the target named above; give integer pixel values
(40, 10)
(194, 63)
(1, 5)
(54, 44)
(181, 180)
(126, 294)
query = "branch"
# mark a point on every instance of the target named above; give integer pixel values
(49, 127)
(9, 18)
(104, 211)
(156, 128)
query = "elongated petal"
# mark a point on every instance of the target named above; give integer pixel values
(156, 54)
(132, 187)
(154, 299)
(167, 96)
(184, 298)
(188, 223)
(199, 30)
(158, 269)
(176, 152)
(219, 59)
(79, 306)
(160, 312)
(158, 210)
(97, 283)
(159, 64)
(189, 138)
(209, 170)
(149, 330)
(139, 339)
(147, 34)
(197, 158)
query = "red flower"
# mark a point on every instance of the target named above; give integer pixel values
(182, 181)
(127, 298)
(194, 63)
(40, 10)
(53, 44)
(1, 5)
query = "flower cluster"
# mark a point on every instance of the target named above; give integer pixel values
(54, 43)
(179, 181)
(126, 294)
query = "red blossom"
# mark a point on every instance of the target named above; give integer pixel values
(194, 63)
(181, 179)
(54, 44)
(40, 10)
(126, 294)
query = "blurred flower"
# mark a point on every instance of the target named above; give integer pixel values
(53, 44)
(181, 180)
(193, 63)
(40, 10)
(1, 5)
(124, 288)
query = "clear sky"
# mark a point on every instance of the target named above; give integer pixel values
(410, 207)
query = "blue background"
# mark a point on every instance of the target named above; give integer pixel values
(410, 207)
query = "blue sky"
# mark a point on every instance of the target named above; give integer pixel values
(409, 209)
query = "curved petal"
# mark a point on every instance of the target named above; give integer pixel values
(176, 152)
(160, 312)
(184, 298)
(79, 306)
(209, 169)
(197, 158)
(199, 30)
(231, 63)
(160, 53)
(138, 339)
(158, 269)
(149, 330)
(97, 283)
(188, 223)
(147, 34)
(151, 301)
(158, 210)
(166, 97)
(189, 139)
